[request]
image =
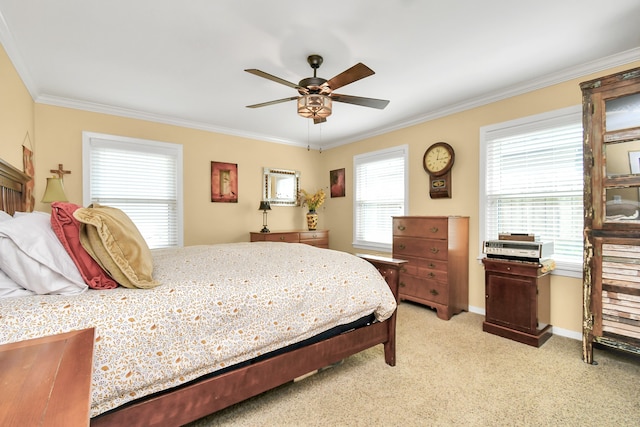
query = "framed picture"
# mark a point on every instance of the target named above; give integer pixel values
(336, 177)
(634, 161)
(224, 182)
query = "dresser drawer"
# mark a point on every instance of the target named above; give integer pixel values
(429, 290)
(511, 267)
(313, 235)
(431, 228)
(425, 268)
(281, 237)
(424, 248)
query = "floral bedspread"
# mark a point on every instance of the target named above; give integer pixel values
(217, 306)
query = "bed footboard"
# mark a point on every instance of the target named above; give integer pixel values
(202, 398)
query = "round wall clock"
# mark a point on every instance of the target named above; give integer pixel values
(438, 159)
(437, 162)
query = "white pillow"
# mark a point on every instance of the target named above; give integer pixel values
(4, 216)
(9, 288)
(32, 255)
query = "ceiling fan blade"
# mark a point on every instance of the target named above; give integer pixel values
(357, 100)
(277, 101)
(319, 120)
(275, 79)
(357, 72)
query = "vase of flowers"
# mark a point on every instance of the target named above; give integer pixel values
(312, 202)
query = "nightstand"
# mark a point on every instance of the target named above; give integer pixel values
(517, 301)
(47, 381)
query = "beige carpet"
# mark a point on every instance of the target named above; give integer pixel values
(451, 373)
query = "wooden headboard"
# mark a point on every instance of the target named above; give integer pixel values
(12, 186)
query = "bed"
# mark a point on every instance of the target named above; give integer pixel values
(207, 338)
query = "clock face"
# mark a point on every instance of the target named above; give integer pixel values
(438, 159)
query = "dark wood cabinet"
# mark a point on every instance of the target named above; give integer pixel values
(47, 381)
(437, 271)
(517, 301)
(318, 238)
(611, 277)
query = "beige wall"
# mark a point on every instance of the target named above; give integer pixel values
(56, 135)
(60, 130)
(16, 113)
(462, 132)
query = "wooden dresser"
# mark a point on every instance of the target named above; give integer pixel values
(611, 276)
(318, 238)
(47, 381)
(437, 274)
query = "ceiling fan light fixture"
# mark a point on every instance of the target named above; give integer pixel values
(314, 106)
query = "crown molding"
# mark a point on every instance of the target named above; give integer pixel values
(561, 76)
(8, 42)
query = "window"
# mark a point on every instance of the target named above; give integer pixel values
(531, 182)
(143, 178)
(380, 183)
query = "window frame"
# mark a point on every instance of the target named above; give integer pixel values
(553, 118)
(402, 152)
(89, 139)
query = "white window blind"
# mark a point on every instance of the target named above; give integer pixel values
(380, 183)
(533, 181)
(142, 178)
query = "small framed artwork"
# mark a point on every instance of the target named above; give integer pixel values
(336, 177)
(634, 161)
(224, 182)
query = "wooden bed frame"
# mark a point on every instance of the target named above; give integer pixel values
(203, 397)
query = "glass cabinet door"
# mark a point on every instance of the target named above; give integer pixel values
(622, 113)
(621, 159)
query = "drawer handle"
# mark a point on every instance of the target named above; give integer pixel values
(432, 265)
(402, 227)
(402, 246)
(433, 292)
(315, 235)
(435, 250)
(282, 238)
(434, 229)
(403, 269)
(432, 274)
(402, 285)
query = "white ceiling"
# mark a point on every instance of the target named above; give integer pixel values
(182, 62)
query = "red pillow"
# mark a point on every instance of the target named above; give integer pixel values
(67, 228)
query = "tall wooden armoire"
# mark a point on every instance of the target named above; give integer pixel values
(611, 294)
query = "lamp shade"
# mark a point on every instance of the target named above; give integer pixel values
(264, 206)
(314, 106)
(54, 191)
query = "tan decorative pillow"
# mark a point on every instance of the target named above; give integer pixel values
(113, 240)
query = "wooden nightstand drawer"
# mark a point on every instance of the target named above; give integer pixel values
(512, 267)
(431, 228)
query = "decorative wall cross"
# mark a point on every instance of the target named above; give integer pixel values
(60, 171)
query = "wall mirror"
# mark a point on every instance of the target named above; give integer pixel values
(280, 186)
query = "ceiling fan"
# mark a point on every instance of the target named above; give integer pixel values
(316, 93)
